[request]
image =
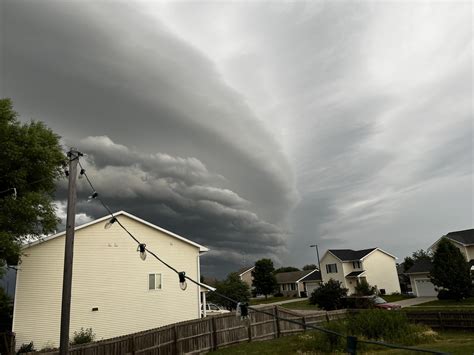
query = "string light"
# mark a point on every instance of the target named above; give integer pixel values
(82, 172)
(93, 196)
(110, 222)
(142, 249)
(182, 280)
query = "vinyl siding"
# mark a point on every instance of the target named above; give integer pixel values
(339, 276)
(380, 270)
(109, 274)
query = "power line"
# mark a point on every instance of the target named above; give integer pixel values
(96, 196)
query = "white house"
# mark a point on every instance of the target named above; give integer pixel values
(419, 273)
(114, 291)
(245, 275)
(349, 266)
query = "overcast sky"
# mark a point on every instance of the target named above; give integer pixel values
(260, 128)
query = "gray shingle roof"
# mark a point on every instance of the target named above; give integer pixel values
(292, 276)
(315, 276)
(464, 237)
(420, 266)
(349, 254)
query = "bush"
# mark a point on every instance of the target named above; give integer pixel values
(387, 326)
(358, 302)
(329, 295)
(26, 348)
(446, 295)
(278, 294)
(83, 336)
(364, 289)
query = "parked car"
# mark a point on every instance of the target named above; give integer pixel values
(381, 303)
(213, 309)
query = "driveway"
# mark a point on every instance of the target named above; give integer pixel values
(415, 301)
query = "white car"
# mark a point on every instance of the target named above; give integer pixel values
(213, 309)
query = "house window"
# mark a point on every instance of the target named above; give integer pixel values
(154, 282)
(284, 287)
(331, 268)
(293, 287)
(357, 265)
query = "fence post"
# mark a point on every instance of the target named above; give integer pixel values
(440, 318)
(304, 323)
(175, 336)
(351, 345)
(327, 316)
(214, 333)
(277, 321)
(250, 328)
(133, 345)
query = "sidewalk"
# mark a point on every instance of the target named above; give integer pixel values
(415, 301)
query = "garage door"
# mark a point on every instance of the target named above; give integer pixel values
(425, 288)
(310, 287)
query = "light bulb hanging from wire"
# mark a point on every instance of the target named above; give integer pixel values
(110, 222)
(142, 249)
(182, 280)
(93, 196)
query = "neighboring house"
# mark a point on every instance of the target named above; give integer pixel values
(8, 280)
(419, 273)
(297, 283)
(245, 275)
(114, 291)
(349, 266)
(420, 281)
(403, 279)
(464, 240)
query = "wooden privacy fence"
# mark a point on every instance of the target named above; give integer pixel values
(7, 343)
(462, 319)
(206, 334)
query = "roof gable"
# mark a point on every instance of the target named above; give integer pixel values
(118, 214)
(465, 237)
(349, 254)
(244, 270)
(315, 275)
(420, 266)
(291, 276)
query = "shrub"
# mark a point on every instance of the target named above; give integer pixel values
(26, 348)
(445, 295)
(388, 326)
(329, 295)
(364, 289)
(83, 336)
(278, 294)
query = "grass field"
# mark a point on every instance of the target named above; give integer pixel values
(467, 304)
(395, 298)
(255, 301)
(453, 342)
(302, 305)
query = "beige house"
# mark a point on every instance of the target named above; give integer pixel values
(349, 266)
(298, 283)
(245, 275)
(114, 292)
(420, 272)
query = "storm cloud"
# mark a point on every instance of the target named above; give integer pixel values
(257, 129)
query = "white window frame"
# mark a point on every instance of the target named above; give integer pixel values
(328, 267)
(161, 281)
(356, 265)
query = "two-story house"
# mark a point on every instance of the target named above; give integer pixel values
(349, 266)
(420, 272)
(114, 290)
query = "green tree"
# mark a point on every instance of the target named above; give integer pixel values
(310, 267)
(285, 269)
(364, 289)
(418, 255)
(232, 287)
(450, 270)
(30, 163)
(329, 296)
(264, 279)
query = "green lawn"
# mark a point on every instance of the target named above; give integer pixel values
(395, 298)
(255, 301)
(452, 342)
(304, 305)
(469, 302)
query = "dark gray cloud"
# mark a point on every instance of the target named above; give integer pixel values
(220, 117)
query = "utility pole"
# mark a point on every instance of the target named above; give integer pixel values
(73, 156)
(317, 255)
